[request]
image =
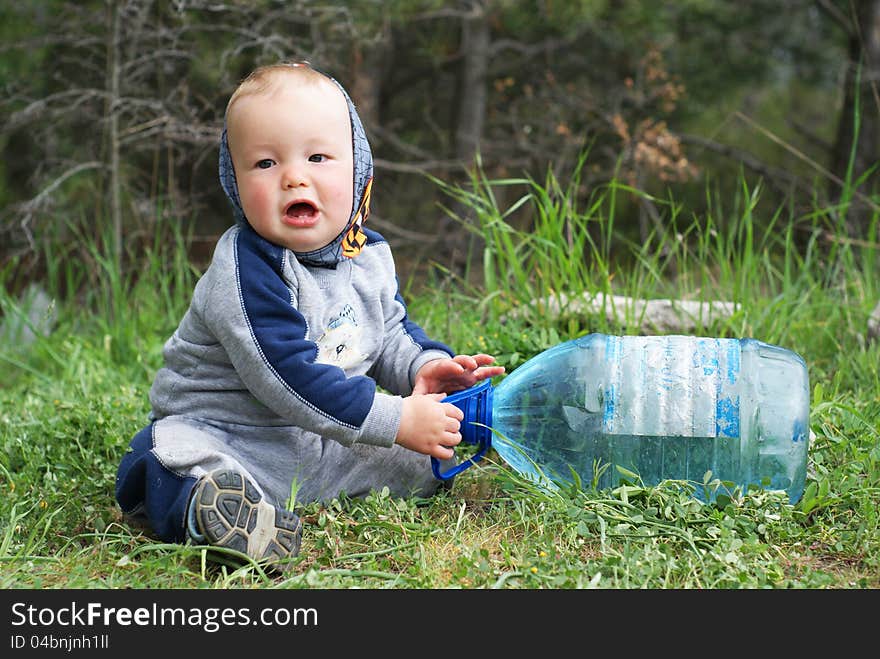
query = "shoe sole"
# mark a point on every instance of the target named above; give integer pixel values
(232, 513)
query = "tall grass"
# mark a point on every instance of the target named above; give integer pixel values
(72, 400)
(777, 267)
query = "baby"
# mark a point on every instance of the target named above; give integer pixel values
(296, 367)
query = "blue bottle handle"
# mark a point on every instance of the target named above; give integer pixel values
(476, 404)
(460, 467)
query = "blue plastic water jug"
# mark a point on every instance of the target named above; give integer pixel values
(663, 407)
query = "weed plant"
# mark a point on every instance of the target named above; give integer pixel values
(71, 400)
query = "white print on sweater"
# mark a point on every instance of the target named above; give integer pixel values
(340, 344)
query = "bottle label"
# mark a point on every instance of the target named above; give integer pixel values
(672, 386)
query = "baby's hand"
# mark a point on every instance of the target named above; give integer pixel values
(429, 426)
(455, 374)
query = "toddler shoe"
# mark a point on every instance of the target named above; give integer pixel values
(227, 510)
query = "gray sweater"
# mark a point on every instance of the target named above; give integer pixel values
(268, 341)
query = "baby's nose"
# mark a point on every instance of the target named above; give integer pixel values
(294, 176)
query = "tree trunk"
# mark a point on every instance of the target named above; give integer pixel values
(368, 70)
(473, 94)
(860, 94)
(470, 117)
(113, 43)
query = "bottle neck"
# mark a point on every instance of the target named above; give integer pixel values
(476, 405)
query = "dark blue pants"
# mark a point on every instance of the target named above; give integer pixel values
(151, 493)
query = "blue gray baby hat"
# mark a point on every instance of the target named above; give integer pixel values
(352, 239)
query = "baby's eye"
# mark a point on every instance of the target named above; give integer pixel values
(265, 163)
(317, 157)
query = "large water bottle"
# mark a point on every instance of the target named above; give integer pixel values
(663, 407)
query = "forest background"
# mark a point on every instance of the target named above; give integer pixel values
(111, 110)
(695, 150)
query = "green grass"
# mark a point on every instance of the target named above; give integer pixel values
(71, 401)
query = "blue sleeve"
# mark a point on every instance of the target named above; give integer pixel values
(278, 332)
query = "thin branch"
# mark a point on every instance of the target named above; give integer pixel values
(49, 189)
(418, 167)
(836, 15)
(36, 109)
(770, 173)
(801, 156)
(410, 236)
(27, 209)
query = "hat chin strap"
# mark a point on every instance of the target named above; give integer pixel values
(355, 238)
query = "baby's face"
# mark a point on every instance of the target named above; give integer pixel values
(292, 151)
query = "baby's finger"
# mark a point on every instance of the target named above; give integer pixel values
(488, 372)
(442, 452)
(453, 412)
(466, 362)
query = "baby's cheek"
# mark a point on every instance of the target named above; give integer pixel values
(255, 198)
(342, 198)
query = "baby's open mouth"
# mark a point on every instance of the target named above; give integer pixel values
(301, 210)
